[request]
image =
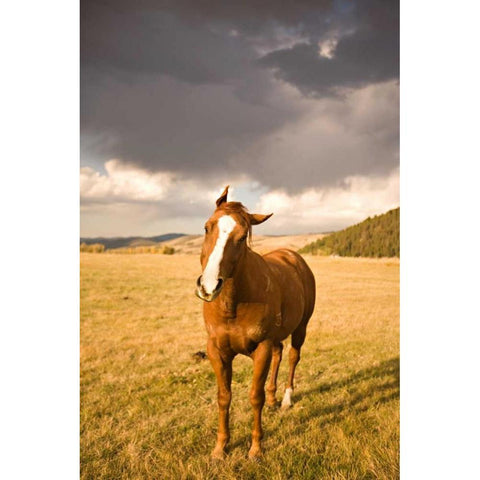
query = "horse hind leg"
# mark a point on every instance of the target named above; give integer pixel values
(272, 383)
(298, 337)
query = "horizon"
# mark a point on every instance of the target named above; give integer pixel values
(200, 235)
(326, 232)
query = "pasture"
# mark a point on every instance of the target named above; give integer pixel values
(148, 404)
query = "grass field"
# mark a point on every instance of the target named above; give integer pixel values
(148, 407)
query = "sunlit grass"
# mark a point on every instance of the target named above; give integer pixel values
(148, 407)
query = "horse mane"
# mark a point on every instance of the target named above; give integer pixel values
(242, 211)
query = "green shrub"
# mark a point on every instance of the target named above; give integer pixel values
(168, 250)
(93, 248)
(155, 249)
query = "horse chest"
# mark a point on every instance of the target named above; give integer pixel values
(256, 332)
(239, 336)
(241, 329)
(245, 338)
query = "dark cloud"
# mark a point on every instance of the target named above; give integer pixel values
(187, 87)
(368, 54)
(161, 124)
(360, 59)
(336, 138)
(204, 42)
(126, 42)
(247, 15)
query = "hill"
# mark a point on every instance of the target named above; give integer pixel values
(192, 244)
(122, 242)
(374, 237)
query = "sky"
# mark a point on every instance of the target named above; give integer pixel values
(295, 105)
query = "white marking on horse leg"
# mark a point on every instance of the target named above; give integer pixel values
(210, 275)
(287, 399)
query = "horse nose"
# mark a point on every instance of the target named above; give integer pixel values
(200, 291)
(203, 295)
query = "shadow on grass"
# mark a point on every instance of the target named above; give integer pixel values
(367, 389)
(388, 368)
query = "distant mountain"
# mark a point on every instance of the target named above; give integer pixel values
(374, 237)
(120, 242)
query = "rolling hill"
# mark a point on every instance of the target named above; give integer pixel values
(192, 244)
(121, 242)
(374, 237)
(377, 236)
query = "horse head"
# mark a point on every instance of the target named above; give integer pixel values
(227, 233)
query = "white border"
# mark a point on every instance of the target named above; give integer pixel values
(39, 338)
(439, 262)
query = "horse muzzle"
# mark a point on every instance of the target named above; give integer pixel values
(203, 295)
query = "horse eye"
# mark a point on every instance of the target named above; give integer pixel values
(243, 238)
(206, 229)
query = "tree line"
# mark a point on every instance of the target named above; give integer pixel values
(100, 248)
(374, 237)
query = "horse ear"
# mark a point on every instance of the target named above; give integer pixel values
(223, 197)
(257, 218)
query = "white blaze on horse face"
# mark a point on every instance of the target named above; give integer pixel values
(210, 275)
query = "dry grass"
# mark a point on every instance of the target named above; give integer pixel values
(148, 409)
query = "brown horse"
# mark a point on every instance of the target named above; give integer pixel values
(252, 303)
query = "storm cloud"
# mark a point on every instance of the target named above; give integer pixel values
(287, 96)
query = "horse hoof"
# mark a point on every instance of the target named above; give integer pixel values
(272, 406)
(255, 456)
(218, 455)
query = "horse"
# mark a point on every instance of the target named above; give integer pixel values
(251, 304)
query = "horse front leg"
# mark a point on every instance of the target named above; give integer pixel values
(222, 366)
(261, 363)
